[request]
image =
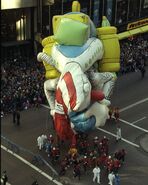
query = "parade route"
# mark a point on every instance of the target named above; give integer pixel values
(30, 165)
(34, 122)
(134, 104)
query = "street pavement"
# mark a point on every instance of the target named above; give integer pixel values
(130, 95)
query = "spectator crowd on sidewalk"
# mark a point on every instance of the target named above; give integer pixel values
(21, 85)
(134, 54)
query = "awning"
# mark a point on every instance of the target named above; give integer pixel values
(14, 43)
(130, 33)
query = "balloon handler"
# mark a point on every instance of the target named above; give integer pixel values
(81, 62)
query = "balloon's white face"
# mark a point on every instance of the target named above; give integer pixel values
(102, 115)
(100, 112)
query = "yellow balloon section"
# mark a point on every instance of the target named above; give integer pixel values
(111, 58)
(51, 72)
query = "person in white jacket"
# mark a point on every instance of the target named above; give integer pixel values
(40, 142)
(44, 138)
(118, 136)
(96, 172)
(111, 178)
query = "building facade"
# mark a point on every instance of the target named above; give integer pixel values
(26, 22)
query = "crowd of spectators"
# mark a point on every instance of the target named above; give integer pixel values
(22, 80)
(21, 84)
(134, 54)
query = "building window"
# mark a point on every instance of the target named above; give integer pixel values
(134, 7)
(144, 8)
(14, 24)
(21, 28)
(145, 4)
(109, 10)
(8, 26)
(121, 11)
(46, 24)
(96, 12)
(85, 6)
(67, 6)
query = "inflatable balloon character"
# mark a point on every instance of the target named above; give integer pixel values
(80, 62)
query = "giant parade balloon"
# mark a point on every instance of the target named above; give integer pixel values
(81, 62)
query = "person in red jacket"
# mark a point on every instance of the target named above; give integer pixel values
(105, 145)
(85, 163)
(120, 155)
(116, 114)
(111, 110)
(83, 147)
(109, 163)
(104, 141)
(116, 165)
(55, 153)
(77, 171)
(102, 159)
(95, 142)
(110, 166)
(63, 167)
(50, 139)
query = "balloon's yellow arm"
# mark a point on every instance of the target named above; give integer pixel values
(51, 72)
(111, 58)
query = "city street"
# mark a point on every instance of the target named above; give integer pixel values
(130, 95)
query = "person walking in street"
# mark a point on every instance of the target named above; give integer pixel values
(122, 155)
(44, 138)
(118, 136)
(4, 177)
(63, 168)
(18, 118)
(96, 172)
(85, 164)
(55, 153)
(116, 114)
(95, 142)
(142, 70)
(14, 116)
(35, 183)
(48, 148)
(111, 178)
(117, 179)
(116, 165)
(40, 142)
(110, 113)
(50, 139)
(76, 171)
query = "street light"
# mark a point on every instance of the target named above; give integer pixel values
(50, 2)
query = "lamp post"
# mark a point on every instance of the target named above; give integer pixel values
(62, 7)
(50, 2)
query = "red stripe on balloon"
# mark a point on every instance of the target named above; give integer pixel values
(59, 100)
(71, 89)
